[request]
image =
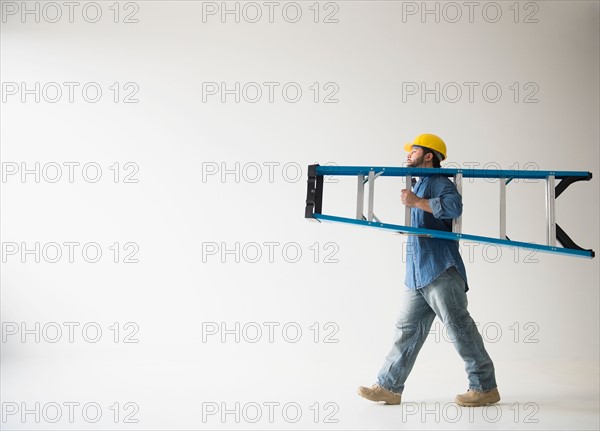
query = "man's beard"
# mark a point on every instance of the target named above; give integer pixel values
(417, 162)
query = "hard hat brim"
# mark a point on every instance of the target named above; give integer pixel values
(408, 148)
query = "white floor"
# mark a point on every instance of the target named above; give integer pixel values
(164, 392)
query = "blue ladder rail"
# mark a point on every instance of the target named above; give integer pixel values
(466, 173)
(314, 201)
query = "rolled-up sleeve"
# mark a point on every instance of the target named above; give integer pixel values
(445, 202)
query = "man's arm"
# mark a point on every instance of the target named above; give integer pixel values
(411, 200)
(445, 203)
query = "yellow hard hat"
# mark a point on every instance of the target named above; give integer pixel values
(427, 140)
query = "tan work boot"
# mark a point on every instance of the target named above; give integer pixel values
(379, 393)
(478, 399)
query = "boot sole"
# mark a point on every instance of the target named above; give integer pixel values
(479, 404)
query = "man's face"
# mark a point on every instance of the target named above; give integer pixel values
(415, 159)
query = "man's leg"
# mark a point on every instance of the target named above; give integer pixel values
(446, 296)
(412, 328)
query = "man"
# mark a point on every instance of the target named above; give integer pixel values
(436, 283)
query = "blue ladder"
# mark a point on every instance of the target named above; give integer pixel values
(368, 175)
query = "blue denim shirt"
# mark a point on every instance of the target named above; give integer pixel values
(427, 258)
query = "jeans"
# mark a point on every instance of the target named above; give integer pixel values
(446, 298)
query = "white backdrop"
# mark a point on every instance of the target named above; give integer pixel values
(213, 303)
